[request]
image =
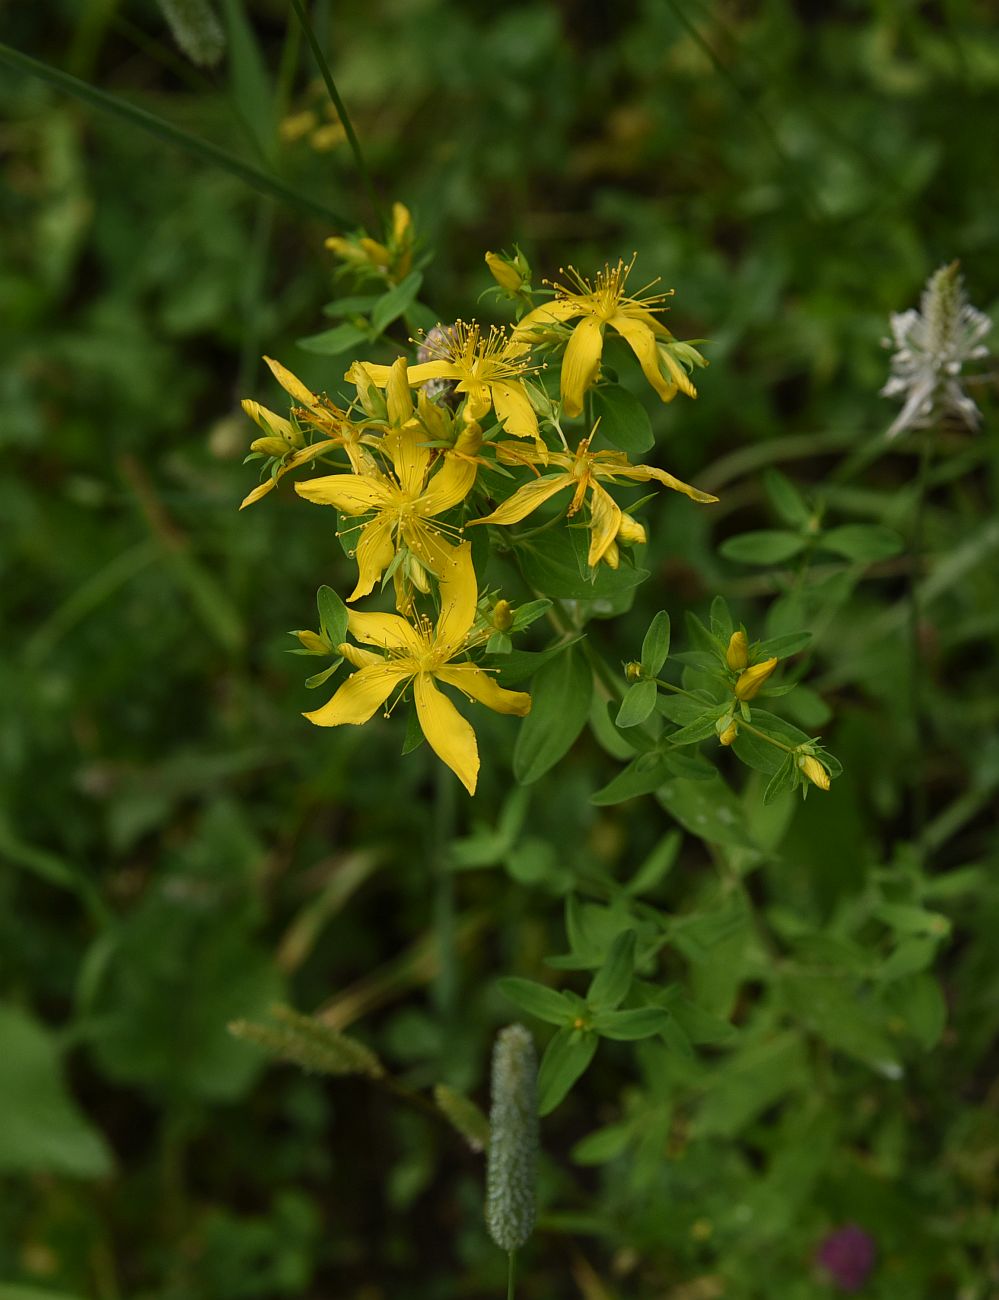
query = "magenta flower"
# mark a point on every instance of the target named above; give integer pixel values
(848, 1256)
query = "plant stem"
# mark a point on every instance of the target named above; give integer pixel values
(445, 985)
(919, 805)
(511, 1274)
(743, 725)
(341, 109)
(166, 131)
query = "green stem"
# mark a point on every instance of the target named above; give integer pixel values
(743, 725)
(341, 109)
(446, 979)
(511, 1275)
(919, 804)
(166, 131)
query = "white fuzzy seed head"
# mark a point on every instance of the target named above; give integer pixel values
(511, 1178)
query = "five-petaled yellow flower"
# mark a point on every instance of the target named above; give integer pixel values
(585, 472)
(406, 502)
(315, 411)
(489, 369)
(422, 655)
(601, 304)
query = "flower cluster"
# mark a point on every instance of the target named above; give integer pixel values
(465, 432)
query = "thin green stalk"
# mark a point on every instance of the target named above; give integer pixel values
(341, 109)
(511, 1275)
(445, 985)
(743, 725)
(122, 110)
(919, 805)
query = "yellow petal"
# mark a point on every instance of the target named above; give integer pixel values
(290, 383)
(389, 631)
(581, 363)
(478, 400)
(451, 484)
(401, 221)
(259, 491)
(359, 696)
(514, 410)
(400, 403)
(410, 458)
(448, 734)
(377, 253)
(751, 679)
(428, 546)
(267, 420)
(353, 494)
(480, 686)
(459, 592)
(642, 474)
(375, 552)
(560, 309)
(642, 342)
(379, 375)
(526, 499)
(605, 520)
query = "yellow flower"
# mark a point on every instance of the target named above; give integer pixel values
(392, 259)
(317, 412)
(601, 304)
(489, 370)
(737, 654)
(404, 502)
(421, 654)
(585, 472)
(752, 679)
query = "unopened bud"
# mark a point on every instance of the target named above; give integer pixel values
(737, 654)
(368, 394)
(354, 654)
(612, 556)
(511, 1179)
(469, 440)
(510, 274)
(753, 678)
(502, 616)
(417, 574)
(398, 398)
(634, 671)
(630, 532)
(729, 734)
(270, 446)
(313, 641)
(814, 770)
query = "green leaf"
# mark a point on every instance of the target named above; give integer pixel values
(560, 705)
(251, 86)
(358, 305)
(598, 1147)
(334, 342)
(390, 306)
(628, 1026)
(700, 729)
(655, 647)
(919, 1000)
(566, 1058)
(520, 665)
(785, 498)
(537, 999)
(332, 616)
(708, 809)
(525, 615)
(42, 1129)
(611, 983)
(863, 543)
(638, 778)
(721, 619)
(414, 737)
(656, 865)
(766, 546)
(624, 421)
(780, 647)
(750, 1082)
(556, 564)
(317, 679)
(831, 1008)
(639, 701)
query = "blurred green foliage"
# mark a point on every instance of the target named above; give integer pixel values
(180, 850)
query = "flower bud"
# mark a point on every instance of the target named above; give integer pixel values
(355, 655)
(313, 642)
(630, 532)
(634, 671)
(270, 446)
(612, 556)
(502, 616)
(737, 654)
(511, 1177)
(729, 734)
(368, 393)
(753, 678)
(510, 274)
(814, 770)
(469, 440)
(398, 398)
